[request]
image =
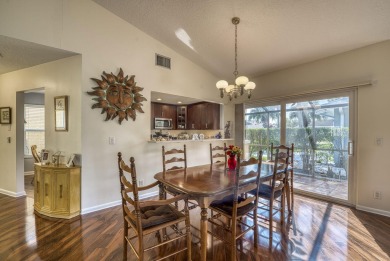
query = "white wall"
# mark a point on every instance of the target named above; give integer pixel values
(106, 43)
(368, 63)
(61, 77)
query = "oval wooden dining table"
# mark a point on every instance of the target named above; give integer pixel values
(204, 184)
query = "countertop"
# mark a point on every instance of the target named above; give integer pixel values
(182, 141)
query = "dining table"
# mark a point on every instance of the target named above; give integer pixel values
(206, 183)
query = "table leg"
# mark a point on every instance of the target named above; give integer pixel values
(161, 197)
(288, 196)
(161, 191)
(203, 234)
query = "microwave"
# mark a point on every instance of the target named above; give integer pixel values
(163, 123)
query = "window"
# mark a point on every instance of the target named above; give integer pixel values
(320, 128)
(262, 127)
(34, 127)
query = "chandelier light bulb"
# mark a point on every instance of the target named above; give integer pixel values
(242, 80)
(229, 88)
(222, 84)
(250, 86)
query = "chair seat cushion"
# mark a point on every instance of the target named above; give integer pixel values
(156, 215)
(265, 191)
(225, 205)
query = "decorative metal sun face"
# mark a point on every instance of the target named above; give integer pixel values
(117, 96)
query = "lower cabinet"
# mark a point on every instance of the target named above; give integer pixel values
(57, 191)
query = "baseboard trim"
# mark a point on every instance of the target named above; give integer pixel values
(28, 173)
(114, 203)
(13, 194)
(373, 210)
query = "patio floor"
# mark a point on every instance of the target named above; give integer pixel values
(322, 185)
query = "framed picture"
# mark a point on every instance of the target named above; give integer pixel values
(45, 156)
(61, 113)
(70, 161)
(5, 115)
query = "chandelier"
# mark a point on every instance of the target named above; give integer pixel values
(242, 83)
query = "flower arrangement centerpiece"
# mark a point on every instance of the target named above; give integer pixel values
(232, 151)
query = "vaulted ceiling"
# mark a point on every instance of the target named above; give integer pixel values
(16, 54)
(272, 35)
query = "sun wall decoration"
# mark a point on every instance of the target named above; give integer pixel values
(117, 96)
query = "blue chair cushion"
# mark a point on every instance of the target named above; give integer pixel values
(265, 191)
(225, 205)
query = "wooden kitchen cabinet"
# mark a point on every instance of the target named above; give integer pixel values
(194, 116)
(181, 117)
(161, 110)
(203, 116)
(57, 191)
(212, 116)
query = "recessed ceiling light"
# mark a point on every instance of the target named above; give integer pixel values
(159, 99)
(179, 102)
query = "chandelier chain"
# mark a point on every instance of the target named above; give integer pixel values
(241, 84)
(235, 53)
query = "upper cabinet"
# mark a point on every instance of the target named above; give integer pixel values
(161, 110)
(196, 116)
(181, 117)
(203, 116)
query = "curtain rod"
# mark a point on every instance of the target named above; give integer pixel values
(313, 92)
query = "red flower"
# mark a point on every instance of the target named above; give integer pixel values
(232, 150)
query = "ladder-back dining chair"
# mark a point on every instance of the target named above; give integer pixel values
(286, 156)
(143, 218)
(218, 154)
(270, 195)
(174, 159)
(231, 214)
(174, 156)
(36, 157)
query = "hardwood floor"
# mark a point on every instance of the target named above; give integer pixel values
(317, 231)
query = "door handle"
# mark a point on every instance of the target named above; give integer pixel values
(350, 148)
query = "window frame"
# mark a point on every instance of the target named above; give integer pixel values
(27, 146)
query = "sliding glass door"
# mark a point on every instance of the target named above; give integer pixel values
(321, 130)
(262, 127)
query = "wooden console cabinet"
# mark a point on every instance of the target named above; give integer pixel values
(57, 191)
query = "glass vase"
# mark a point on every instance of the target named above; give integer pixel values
(232, 162)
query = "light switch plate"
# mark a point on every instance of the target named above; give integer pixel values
(379, 141)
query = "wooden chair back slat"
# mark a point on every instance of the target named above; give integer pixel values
(181, 158)
(217, 154)
(250, 161)
(174, 159)
(285, 154)
(251, 174)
